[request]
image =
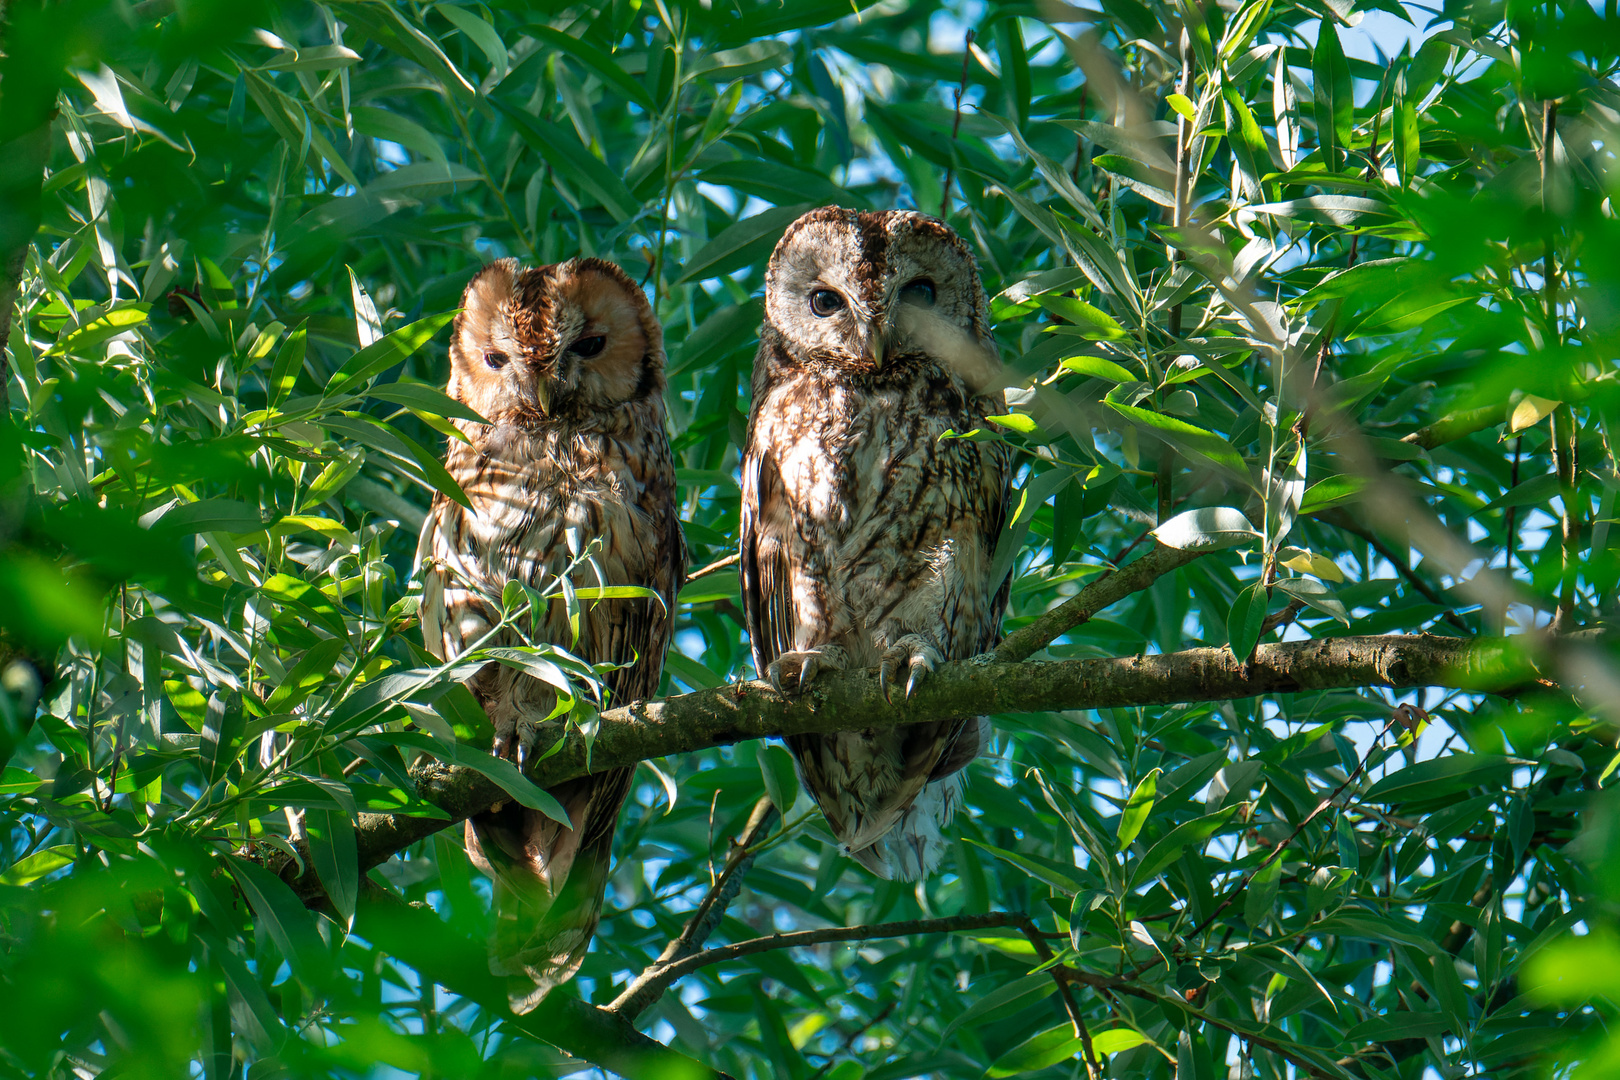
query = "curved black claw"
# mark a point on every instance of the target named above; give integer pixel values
(913, 654)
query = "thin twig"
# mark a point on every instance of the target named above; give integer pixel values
(645, 989)
(1070, 1006)
(718, 564)
(956, 124)
(1243, 885)
(850, 1041)
(1112, 586)
(1341, 520)
(659, 977)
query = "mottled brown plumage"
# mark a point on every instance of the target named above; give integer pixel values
(566, 363)
(866, 540)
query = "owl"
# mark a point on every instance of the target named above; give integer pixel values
(566, 363)
(868, 539)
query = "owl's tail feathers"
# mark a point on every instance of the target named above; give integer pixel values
(911, 850)
(899, 835)
(548, 896)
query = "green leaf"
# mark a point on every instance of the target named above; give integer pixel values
(384, 353)
(747, 243)
(501, 771)
(1037, 1052)
(1178, 839)
(1208, 528)
(289, 924)
(572, 161)
(1137, 808)
(1317, 594)
(1531, 492)
(1244, 621)
(40, 863)
(420, 398)
(1006, 1000)
(1098, 368)
(312, 671)
(307, 598)
(1441, 777)
(781, 779)
(1039, 868)
(334, 855)
(480, 33)
(1407, 1024)
(1261, 896)
(1185, 438)
(1099, 325)
(99, 329)
(1334, 95)
(1117, 1041)
(213, 515)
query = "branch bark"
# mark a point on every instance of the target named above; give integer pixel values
(586, 1031)
(853, 700)
(645, 989)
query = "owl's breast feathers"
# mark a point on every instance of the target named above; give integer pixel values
(857, 511)
(611, 480)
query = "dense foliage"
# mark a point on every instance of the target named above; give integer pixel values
(1368, 309)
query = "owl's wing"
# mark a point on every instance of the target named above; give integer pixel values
(767, 590)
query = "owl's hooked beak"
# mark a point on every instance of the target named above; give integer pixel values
(880, 332)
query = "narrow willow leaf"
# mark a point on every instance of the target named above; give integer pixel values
(385, 352)
(1244, 621)
(1261, 895)
(1015, 996)
(746, 243)
(367, 324)
(1333, 89)
(1316, 594)
(334, 855)
(481, 34)
(285, 919)
(1037, 1052)
(781, 780)
(1098, 324)
(1137, 808)
(572, 161)
(1186, 438)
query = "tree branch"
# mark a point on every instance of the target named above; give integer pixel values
(1111, 587)
(644, 989)
(666, 974)
(1456, 426)
(852, 700)
(420, 938)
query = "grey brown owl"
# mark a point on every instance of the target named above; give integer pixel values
(866, 540)
(566, 362)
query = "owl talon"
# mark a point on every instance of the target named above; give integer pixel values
(792, 672)
(912, 653)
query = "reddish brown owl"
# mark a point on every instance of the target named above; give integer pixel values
(566, 362)
(866, 540)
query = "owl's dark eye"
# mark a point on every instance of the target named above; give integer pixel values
(825, 302)
(494, 359)
(919, 292)
(588, 346)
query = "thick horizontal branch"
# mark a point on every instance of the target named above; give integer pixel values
(853, 701)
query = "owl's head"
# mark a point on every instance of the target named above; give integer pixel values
(560, 341)
(875, 292)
